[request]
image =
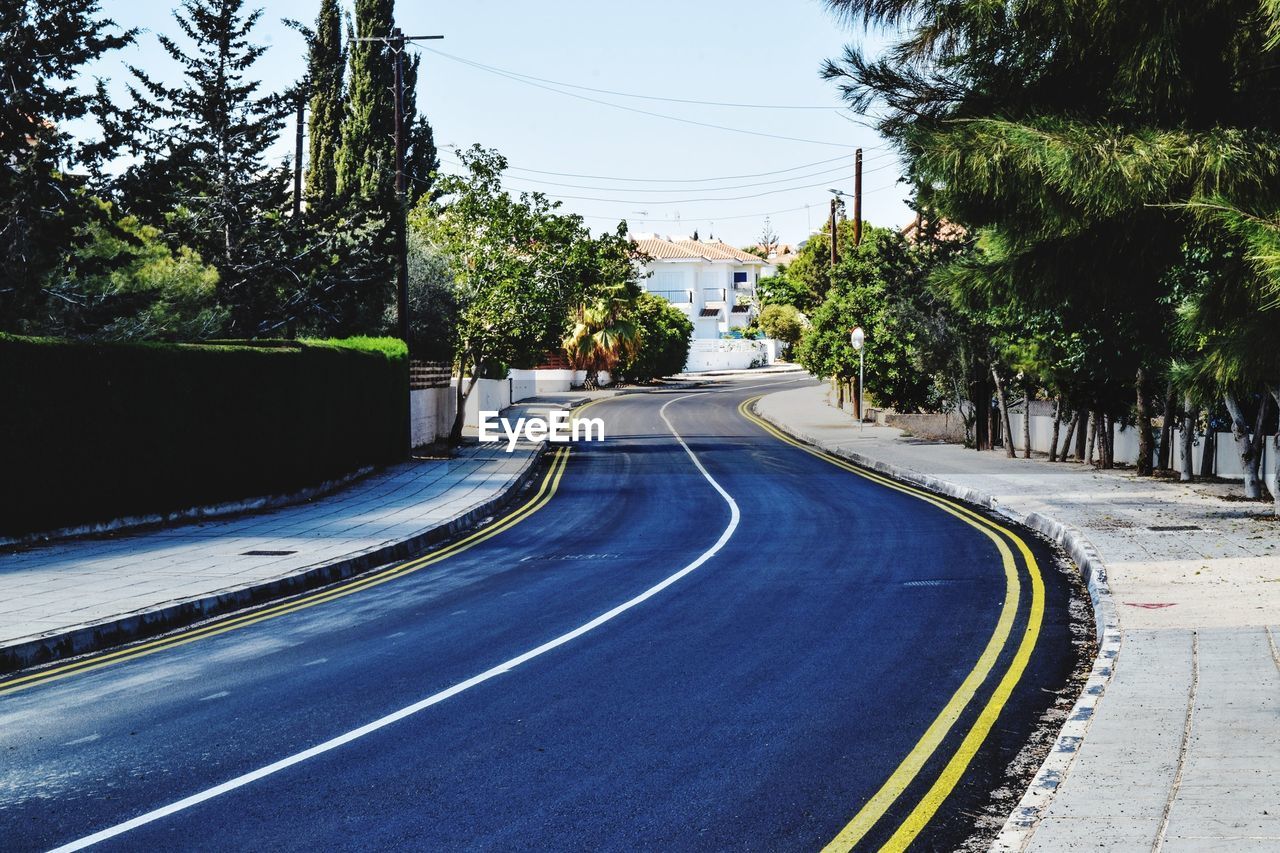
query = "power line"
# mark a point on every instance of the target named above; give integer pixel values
(510, 73)
(820, 173)
(637, 110)
(841, 158)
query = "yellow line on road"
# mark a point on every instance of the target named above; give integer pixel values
(550, 483)
(910, 767)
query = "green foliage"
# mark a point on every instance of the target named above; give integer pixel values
(43, 213)
(326, 65)
(92, 431)
(602, 332)
(665, 333)
(366, 160)
(783, 323)
(124, 283)
(201, 173)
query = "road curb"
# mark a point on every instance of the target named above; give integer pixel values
(1021, 823)
(126, 628)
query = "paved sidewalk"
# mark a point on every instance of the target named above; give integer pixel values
(1181, 725)
(83, 594)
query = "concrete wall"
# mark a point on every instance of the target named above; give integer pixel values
(489, 395)
(431, 411)
(1226, 460)
(947, 426)
(707, 355)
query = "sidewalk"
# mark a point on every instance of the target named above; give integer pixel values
(1181, 718)
(84, 594)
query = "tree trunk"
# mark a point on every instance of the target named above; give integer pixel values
(1246, 448)
(1166, 432)
(1026, 423)
(460, 396)
(1110, 422)
(1188, 442)
(1209, 450)
(1067, 444)
(1080, 435)
(981, 414)
(835, 380)
(1057, 425)
(1146, 440)
(1093, 437)
(1272, 474)
(1004, 415)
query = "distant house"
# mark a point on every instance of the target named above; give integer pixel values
(711, 281)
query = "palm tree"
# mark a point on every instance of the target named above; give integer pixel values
(603, 334)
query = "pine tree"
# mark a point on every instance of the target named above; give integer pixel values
(366, 160)
(421, 159)
(42, 210)
(326, 67)
(202, 146)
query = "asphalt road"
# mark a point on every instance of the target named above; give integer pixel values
(726, 644)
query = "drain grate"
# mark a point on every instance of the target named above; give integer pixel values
(927, 583)
(267, 553)
(1168, 528)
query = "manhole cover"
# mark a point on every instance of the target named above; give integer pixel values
(1166, 528)
(267, 553)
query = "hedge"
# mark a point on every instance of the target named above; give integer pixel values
(94, 431)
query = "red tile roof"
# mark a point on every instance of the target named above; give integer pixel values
(665, 248)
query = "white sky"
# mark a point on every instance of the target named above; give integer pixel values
(749, 51)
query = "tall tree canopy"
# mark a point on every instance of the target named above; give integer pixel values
(43, 212)
(366, 160)
(201, 144)
(326, 67)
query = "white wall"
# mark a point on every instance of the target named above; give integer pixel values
(1226, 461)
(431, 414)
(489, 395)
(531, 383)
(707, 355)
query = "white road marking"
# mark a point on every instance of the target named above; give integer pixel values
(437, 698)
(213, 696)
(396, 634)
(86, 739)
(316, 662)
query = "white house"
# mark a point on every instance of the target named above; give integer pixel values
(711, 281)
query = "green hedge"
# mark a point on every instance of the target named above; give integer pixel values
(93, 431)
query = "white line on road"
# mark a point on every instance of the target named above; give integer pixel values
(86, 739)
(436, 698)
(213, 696)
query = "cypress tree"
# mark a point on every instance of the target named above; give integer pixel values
(421, 159)
(366, 160)
(326, 67)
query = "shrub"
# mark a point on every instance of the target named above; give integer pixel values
(664, 340)
(93, 431)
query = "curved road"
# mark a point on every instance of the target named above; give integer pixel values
(694, 635)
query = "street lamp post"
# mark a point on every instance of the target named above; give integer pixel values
(858, 338)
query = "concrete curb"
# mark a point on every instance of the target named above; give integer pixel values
(1016, 833)
(141, 624)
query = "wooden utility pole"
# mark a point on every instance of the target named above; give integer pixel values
(857, 197)
(402, 247)
(835, 234)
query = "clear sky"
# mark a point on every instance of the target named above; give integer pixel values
(643, 168)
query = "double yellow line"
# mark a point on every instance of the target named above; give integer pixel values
(550, 483)
(910, 768)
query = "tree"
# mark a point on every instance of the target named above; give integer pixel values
(509, 260)
(602, 334)
(202, 175)
(366, 160)
(326, 64)
(665, 332)
(43, 211)
(1068, 136)
(122, 282)
(783, 322)
(421, 160)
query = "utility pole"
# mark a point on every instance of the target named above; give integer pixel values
(857, 197)
(835, 236)
(402, 244)
(297, 158)
(395, 42)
